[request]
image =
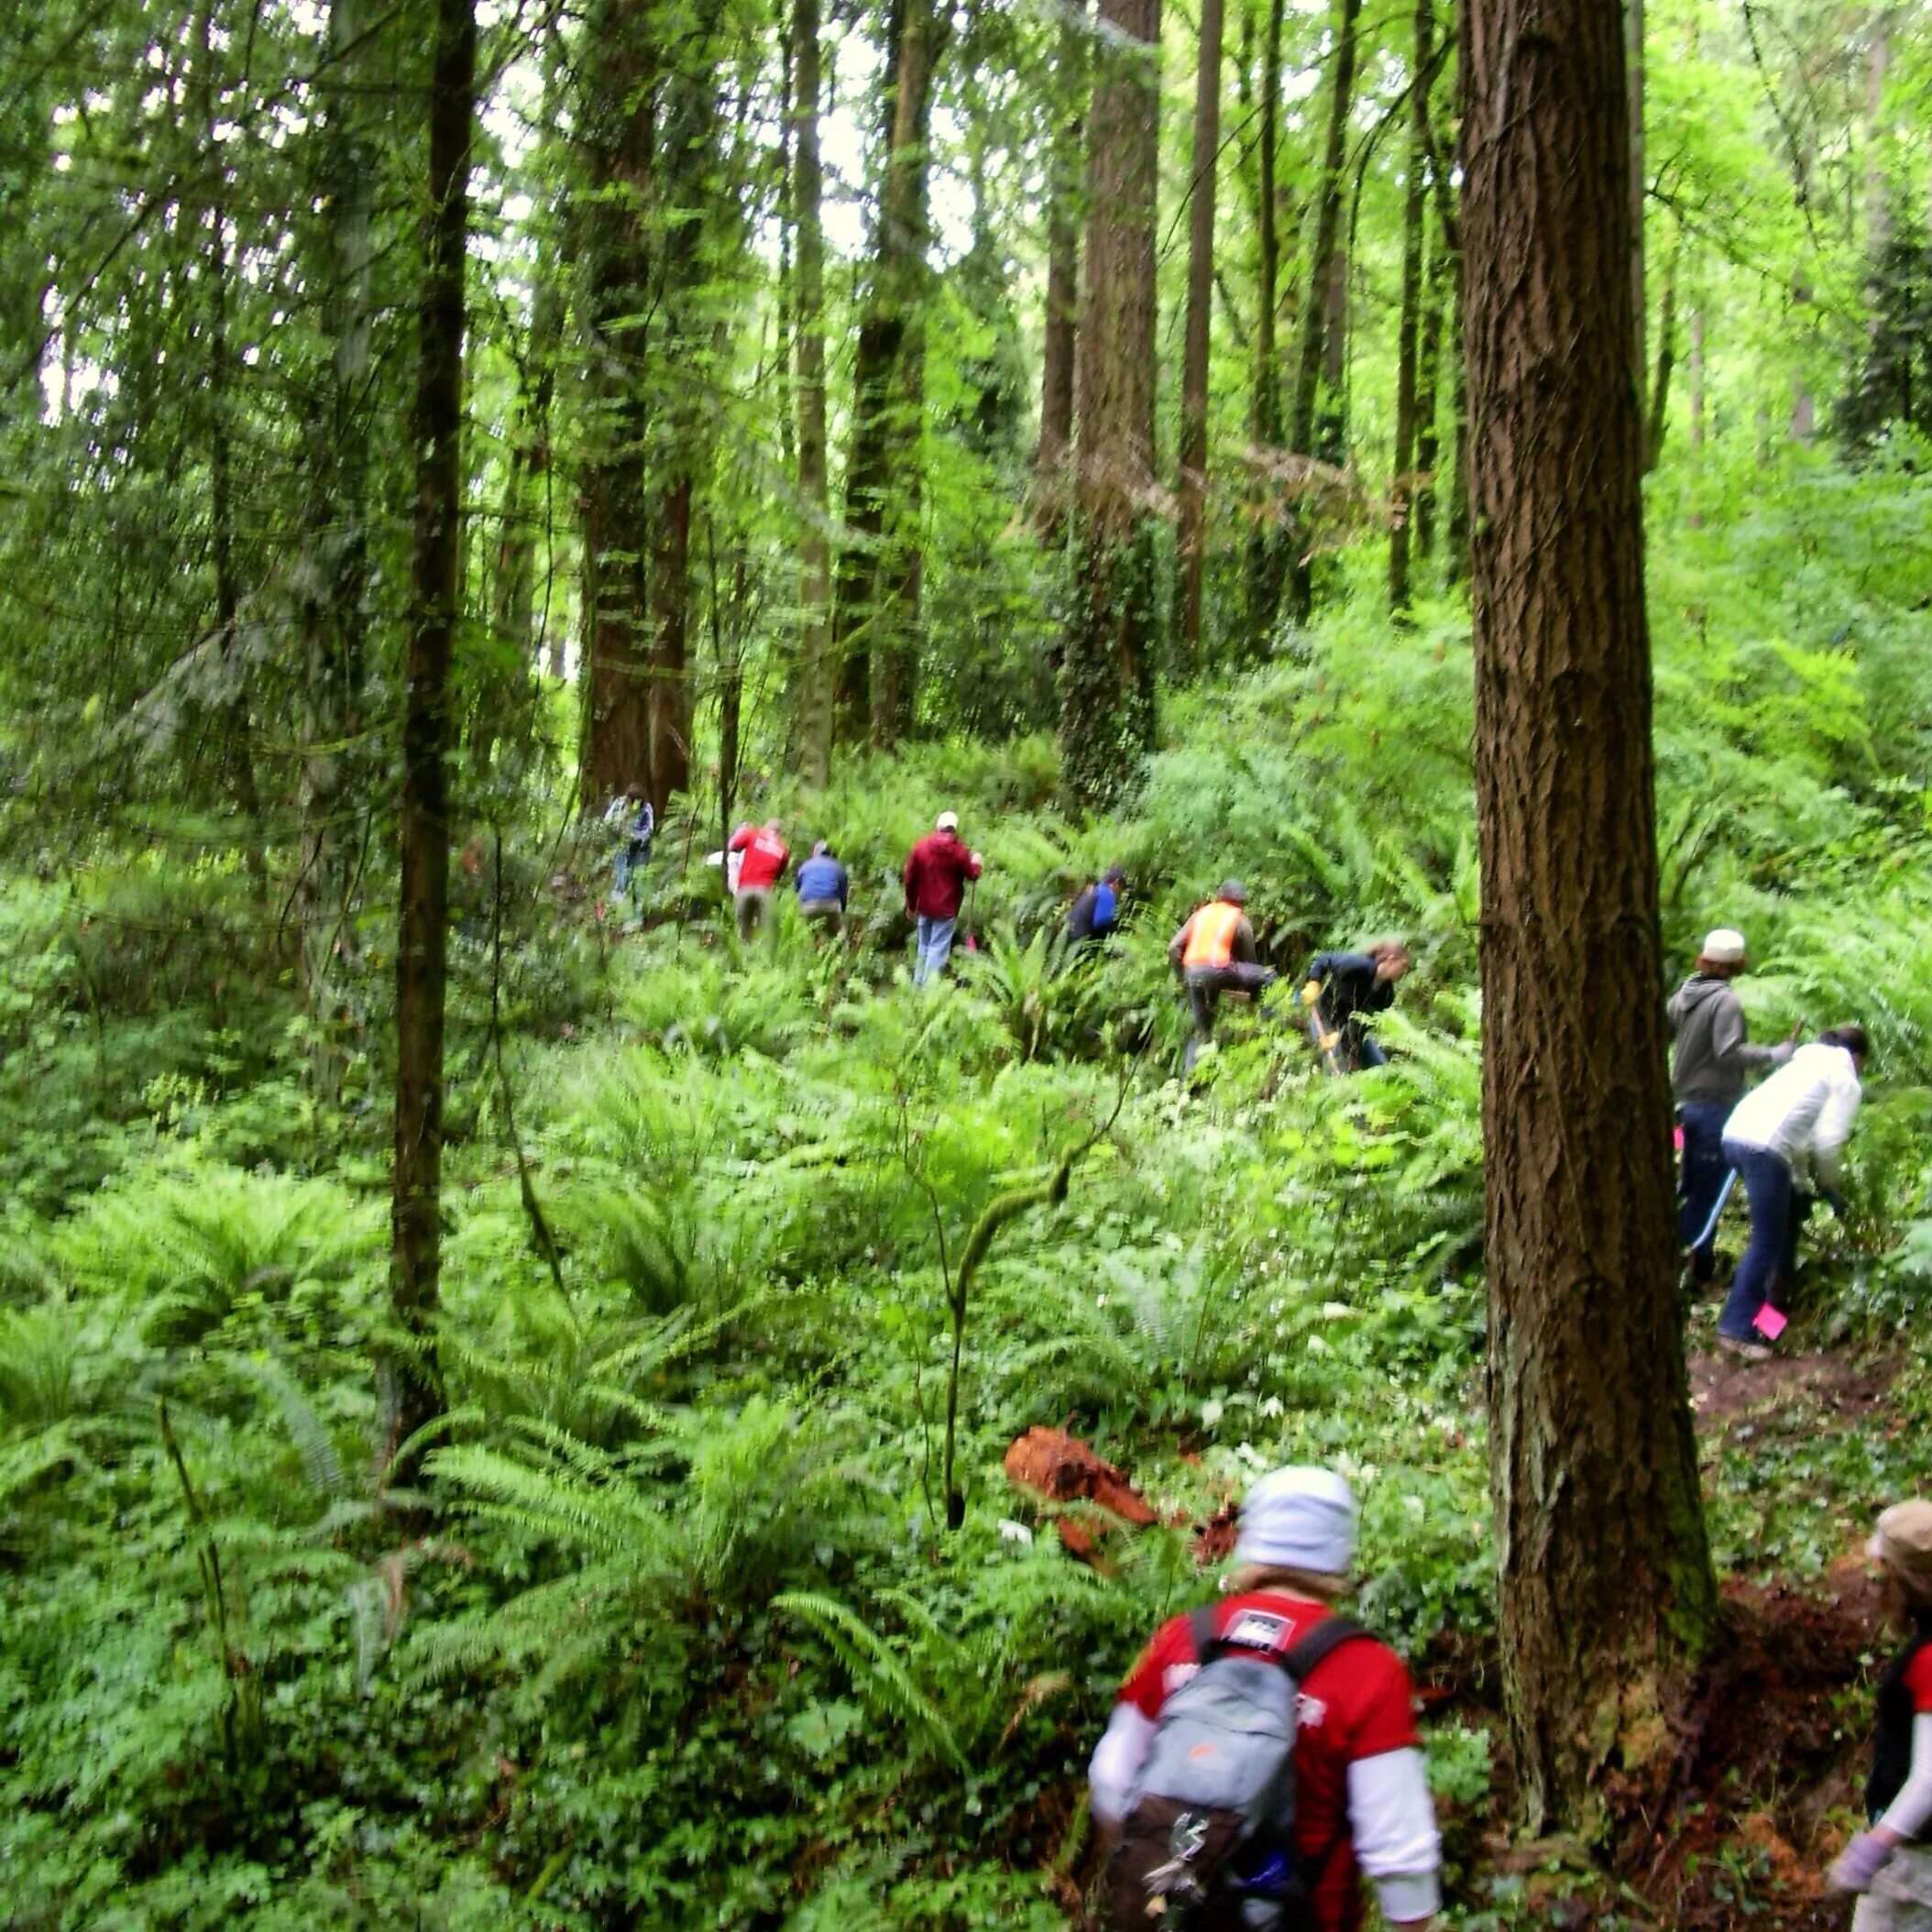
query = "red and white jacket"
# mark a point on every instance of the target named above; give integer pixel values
(1362, 1804)
(764, 857)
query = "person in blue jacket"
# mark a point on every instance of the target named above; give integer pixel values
(824, 888)
(1095, 911)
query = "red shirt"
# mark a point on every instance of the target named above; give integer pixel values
(936, 870)
(1356, 1703)
(1918, 1680)
(765, 856)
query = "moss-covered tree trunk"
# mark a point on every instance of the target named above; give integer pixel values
(334, 575)
(1062, 318)
(411, 1387)
(1191, 535)
(875, 615)
(1605, 1582)
(1107, 665)
(814, 681)
(1268, 544)
(617, 131)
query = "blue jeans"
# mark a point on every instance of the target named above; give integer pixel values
(933, 942)
(632, 856)
(1774, 1236)
(1700, 1178)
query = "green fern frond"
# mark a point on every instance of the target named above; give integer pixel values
(876, 1672)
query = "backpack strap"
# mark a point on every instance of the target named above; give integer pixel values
(1200, 1632)
(1328, 1635)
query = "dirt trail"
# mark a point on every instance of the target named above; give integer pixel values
(1723, 1387)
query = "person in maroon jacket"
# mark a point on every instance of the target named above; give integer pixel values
(1362, 1803)
(936, 870)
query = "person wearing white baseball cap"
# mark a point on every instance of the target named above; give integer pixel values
(936, 870)
(1361, 1807)
(1710, 1069)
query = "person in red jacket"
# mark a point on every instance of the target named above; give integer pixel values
(936, 870)
(1362, 1803)
(759, 872)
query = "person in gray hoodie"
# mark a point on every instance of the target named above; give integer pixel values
(1709, 1071)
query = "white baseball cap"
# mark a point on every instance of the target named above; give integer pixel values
(947, 822)
(1724, 947)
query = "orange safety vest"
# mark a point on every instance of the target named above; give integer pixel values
(1211, 934)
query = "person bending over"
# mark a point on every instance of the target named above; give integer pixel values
(1213, 953)
(1785, 1140)
(1351, 984)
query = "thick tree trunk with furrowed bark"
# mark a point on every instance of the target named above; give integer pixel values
(1107, 665)
(1606, 1594)
(410, 1386)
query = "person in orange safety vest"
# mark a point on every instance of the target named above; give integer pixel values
(1214, 953)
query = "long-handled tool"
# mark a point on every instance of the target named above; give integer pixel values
(1324, 1039)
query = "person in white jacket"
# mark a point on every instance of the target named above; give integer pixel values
(1890, 1862)
(1362, 1803)
(1785, 1139)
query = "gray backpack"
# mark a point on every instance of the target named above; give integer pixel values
(1208, 1842)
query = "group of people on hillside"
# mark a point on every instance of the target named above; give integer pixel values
(1784, 1138)
(1213, 952)
(936, 874)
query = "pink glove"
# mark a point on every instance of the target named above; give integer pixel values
(1858, 1864)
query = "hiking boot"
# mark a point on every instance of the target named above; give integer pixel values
(1746, 1351)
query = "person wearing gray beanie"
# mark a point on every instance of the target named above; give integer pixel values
(1362, 1804)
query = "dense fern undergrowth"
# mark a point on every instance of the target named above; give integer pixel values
(675, 1633)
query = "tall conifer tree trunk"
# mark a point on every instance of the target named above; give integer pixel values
(411, 1389)
(875, 612)
(1107, 666)
(334, 575)
(1192, 531)
(1403, 493)
(1318, 308)
(1639, 307)
(1266, 545)
(1419, 498)
(618, 133)
(815, 582)
(1605, 1580)
(686, 166)
(1064, 186)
